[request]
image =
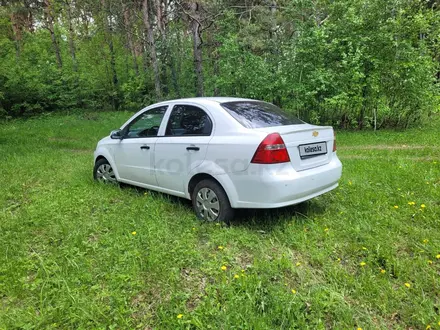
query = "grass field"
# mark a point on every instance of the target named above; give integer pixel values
(80, 255)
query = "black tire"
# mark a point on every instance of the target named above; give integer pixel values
(100, 176)
(225, 212)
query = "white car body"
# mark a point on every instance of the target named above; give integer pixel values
(225, 155)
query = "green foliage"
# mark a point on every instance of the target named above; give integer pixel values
(353, 64)
(69, 258)
(362, 62)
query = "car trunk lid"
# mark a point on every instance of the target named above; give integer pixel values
(308, 145)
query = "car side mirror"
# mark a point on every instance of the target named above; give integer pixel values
(116, 134)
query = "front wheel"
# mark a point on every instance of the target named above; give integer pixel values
(211, 203)
(103, 172)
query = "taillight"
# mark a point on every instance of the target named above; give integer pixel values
(271, 150)
(334, 141)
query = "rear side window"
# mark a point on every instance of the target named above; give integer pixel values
(256, 114)
(188, 120)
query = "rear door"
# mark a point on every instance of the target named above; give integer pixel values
(183, 147)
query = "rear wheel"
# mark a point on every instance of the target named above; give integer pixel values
(211, 203)
(103, 172)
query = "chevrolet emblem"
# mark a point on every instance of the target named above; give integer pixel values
(315, 133)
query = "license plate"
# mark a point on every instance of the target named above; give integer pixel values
(312, 149)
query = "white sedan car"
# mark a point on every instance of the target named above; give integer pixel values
(222, 153)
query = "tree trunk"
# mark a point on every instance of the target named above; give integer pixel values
(109, 38)
(50, 27)
(152, 47)
(175, 67)
(130, 44)
(71, 36)
(164, 45)
(214, 57)
(16, 31)
(197, 47)
(159, 17)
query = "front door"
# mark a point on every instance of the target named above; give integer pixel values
(183, 147)
(134, 155)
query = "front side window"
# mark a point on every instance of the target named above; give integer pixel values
(256, 114)
(147, 124)
(188, 120)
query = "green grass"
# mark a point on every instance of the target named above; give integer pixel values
(69, 259)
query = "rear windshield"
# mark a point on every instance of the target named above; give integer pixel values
(256, 114)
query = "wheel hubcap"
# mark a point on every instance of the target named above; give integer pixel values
(105, 173)
(207, 204)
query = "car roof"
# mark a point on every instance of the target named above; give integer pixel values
(205, 100)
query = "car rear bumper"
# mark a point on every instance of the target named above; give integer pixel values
(263, 186)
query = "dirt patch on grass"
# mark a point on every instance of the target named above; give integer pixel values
(387, 147)
(62, 139)
(78, 151)
(412, 159)
(244, 260)
(195, 282)
(146, 303)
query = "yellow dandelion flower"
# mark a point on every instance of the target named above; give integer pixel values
(362, 264)
(224, 268)
(428, 327)
(293, 291)
(425, 241)
(298, 264)
(220, 247)
(438, 321)
(242, 270)
(396, 206)
(179, 316)
(411, 203)
(383, 271)
(364, 248)
(427, 182)
(133, 233)
(359, 328)
(423, 206)
(236, 276)
(326, 229)
(408, 285)
(437, 256)
(429, 262)
(339, 259)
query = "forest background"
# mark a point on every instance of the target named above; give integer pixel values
(353, 64)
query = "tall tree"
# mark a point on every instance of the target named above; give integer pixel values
(152, 46)
(71, 36)
(49, 17)
(128, 26)
(108, 28)
(196, 27)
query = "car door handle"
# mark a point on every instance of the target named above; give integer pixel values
(145, 147)
(193, 148)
